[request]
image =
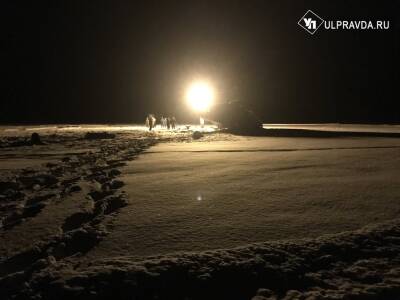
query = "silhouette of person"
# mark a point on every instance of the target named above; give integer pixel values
(173, 122)
(152, 120)
(201, 122)
(168, 122)
(147, 122)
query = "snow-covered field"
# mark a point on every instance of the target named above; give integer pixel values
(24, 130)
(163, 216)
(199, 196)
(337, 127)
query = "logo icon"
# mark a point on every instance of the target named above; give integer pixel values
(310, 22)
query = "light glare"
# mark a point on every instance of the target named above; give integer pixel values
(200, 96)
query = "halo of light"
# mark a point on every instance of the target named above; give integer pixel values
(200, 96)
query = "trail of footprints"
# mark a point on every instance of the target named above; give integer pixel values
(82, 230)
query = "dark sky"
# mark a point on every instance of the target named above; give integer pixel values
(114, 61)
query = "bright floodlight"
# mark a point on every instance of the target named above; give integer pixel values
(200, 96)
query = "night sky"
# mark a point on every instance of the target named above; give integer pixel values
(116, 61)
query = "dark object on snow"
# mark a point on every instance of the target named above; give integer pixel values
(116, 184)
(8, 185)
(76, 220)
(114, 173)
(21, 141)
(237, 118)
(73, 189)
(35, 139)
(99, 135)
(197, 135)
(45, 179)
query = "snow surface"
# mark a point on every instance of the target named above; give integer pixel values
(338, 127)
(223, 217)
(63, 129)
(221, 194)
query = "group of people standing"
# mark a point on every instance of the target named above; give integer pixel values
(165, 122)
